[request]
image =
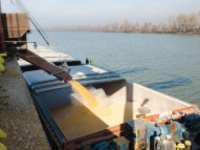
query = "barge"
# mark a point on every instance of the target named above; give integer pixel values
(131, 116)
(132, 106)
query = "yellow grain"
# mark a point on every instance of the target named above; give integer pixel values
(78, 120)
(84, 93)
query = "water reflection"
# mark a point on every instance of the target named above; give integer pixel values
(181, 81)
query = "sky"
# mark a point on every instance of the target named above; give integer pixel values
(100, 12)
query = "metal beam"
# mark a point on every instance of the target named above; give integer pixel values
(46, 66)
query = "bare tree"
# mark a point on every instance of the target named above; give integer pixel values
(126, 26)
(113, 27)
(163, 27)
(137, 26)
(172, 24)
(182, 22)
(106, 28)
(192, 22)
(198, 21)
(133, 29)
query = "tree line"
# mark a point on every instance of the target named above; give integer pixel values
(181, 24)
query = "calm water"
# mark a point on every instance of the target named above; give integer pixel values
(167, 63)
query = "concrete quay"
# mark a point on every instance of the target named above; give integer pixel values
(18, 115)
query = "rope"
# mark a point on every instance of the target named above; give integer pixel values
(53, 47)
(191, 121)
(22, 8)
(197, 125)
(32, 21)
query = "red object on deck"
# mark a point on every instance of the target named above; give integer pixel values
(46, 66)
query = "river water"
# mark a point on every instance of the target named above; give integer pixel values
(166, 63)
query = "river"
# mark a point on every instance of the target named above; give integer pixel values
(164, 62)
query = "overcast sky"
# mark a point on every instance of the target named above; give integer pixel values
(101, 12)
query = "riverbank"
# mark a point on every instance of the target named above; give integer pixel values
(48, 29)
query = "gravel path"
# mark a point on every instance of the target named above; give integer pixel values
(18, 115)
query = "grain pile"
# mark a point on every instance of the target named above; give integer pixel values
(85, 115)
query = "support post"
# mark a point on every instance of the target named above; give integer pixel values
(2, 33)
